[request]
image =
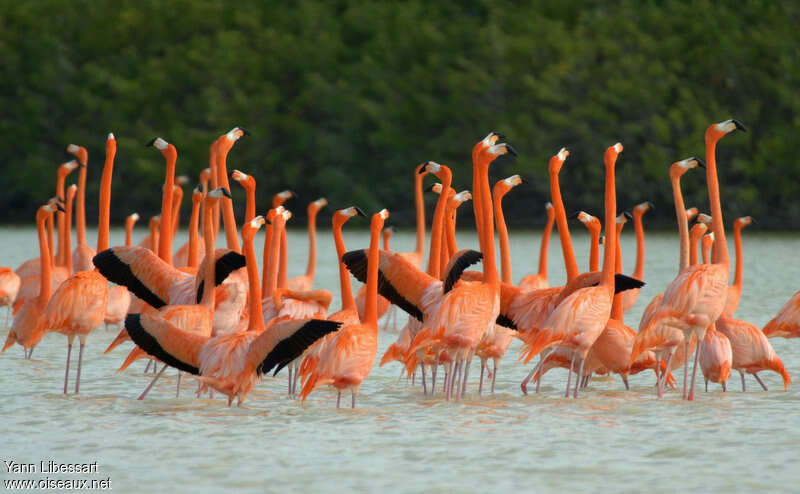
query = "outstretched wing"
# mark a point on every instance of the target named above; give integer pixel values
(169, 344)
(285, 341)
(460, 261)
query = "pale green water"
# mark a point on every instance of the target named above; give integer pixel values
(397, 439)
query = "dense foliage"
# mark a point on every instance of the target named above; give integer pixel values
(343, 99)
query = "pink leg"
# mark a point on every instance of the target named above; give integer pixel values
(296, 377)
(78, 375)
(743, 387)
(685, 367)
(66, 373)
(353, 402)
(663, 381)
(178, 390)
(528, 378)
(480, 383)
(149, 386)
(569, 376)
(147, 369)
(706, 385)
(467, 363)
(760, 381)
(627, 386)
(494, 374)
(694, 372)
(577, 377)
(724, 386)
(433, 374)
(289, 385)
(424, 380)
(338, 399)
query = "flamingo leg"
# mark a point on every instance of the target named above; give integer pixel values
(414, 377)
(353, 402)
(578, 377)
(149, 386)
(296, 377)
(147, 369)
(178, 389)
(569, 376)
(627, 386)
(724, 386)
(528, 378)
(480, 383)
(760, 381)
(433, 373)
(338, 399)
(685, 367)
(78, 375)
(466, 374)
(289, 387)
(494, 373)
(743, 386)
(663, 381)
(424, 380)
(66, 373)
(694, 372)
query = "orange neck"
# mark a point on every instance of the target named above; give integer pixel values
(594, 245)
(720, 255)
(128, 231)
(452, 245)
(154, 236)
(282, 270)
(193, 225)
(638, 271)
(371, 303)
(563, 230)
(419, 204)
(105, 196)
(616, 306)
(490, 274)
(500, 190)
(274, 255)
(548, 228)
(737, 239)
(609, 252)
(705, 247)
(214, 177)
(44, 255)
(80, 205)
(165, 235)
(437, 228)
(387, 235)
(348, 302)
(50, 235)
(683, 223)
(68, 228)
(231, 235)
(311, 267)
(697, 233)
(209, 268)
(256, 322)
(177, 199)
(61, 229)
(266, 259)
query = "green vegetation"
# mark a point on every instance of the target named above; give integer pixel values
(343, 99)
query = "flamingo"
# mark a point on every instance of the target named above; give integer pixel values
(695, 299)
(130, 221)
(230, 363)
(27, 328)
(595, 227)
(83, 253)
(349, 356)
(501, 188)
(735, 290)
(539, 280)
(752, 351)
(416, 257)
(63, 171)
(786, 323)
(304, 282)
(664, 338)
(224, 144)
(190, 252)
(629, 296)
(151, 241)
(78, 306)
(9, 287)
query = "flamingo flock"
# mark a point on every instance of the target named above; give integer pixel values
(209, 312)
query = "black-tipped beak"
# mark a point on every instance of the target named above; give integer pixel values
(359, 212)
(753, 221)
(523, 180)
(573, 215)
(498, 135)
(199, 188)
(151, 142)
(511, 150)
(700, 162)
(226, 193)
(59, 199)
(739, 125)
(267, 221)
(429, 188)
(245, 132)
(650, 205)
(423, 169)
(627, 215)
(60, 208)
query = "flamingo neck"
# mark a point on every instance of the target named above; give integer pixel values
(256, 322)
(638, 270)
(177, 199)
(231, 235)
(434, 256)
(165, 234)
(49, 237)
(548, 228)
(502, 234)
(154, 237)
(60, 257)
(452, 244)
(563, 229)
(68, 232)
(80, 206)
(594, 248)
(250, 207)
(282, 270)
(311, 267)
(214, 178)
(693, 241)
(193, 237)
(490, 274)
(266, 255)
(128, 232)
(274, 256)
(419, 204)
(737, 239)
(609, 252)
(371, 303)
(616, 306)
(209, 277)
(105, 196)
(45, 256)
(683, 222)
(720, 255)
(348, 303)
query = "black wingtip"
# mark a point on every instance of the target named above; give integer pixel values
(117, 271)
(458, 264)
(293, 346)
(622, 283)
(145, 341)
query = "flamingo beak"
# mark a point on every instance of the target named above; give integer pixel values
(359, 212)
(226, 193)
(739, 125)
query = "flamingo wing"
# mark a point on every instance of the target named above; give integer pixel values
(787, 322)
(166, 342)
(285, 341)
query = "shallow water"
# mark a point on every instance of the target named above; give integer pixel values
(398, 440)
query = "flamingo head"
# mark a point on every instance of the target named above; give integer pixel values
(745, 221)
(281, 197)
(434, 187)
(487, 142)
(691, 213)
(680, 167)
(463, 196)
(716, 131)
(610, 156)
(134, 217)
(205, 175)
(554, 166)
(704, 219)
(315, 206)
(642, 208)
(236, 133)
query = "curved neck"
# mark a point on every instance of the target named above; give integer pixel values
(209, 267)
(44, 255)
(80, 206)
(563, 230)
(452, 245)
(638, 270)
(312, 243)
(419, 204)
(191, 260)
(548, 228)
(165, 235)
(371, 303)
(502, 234)
(348, 302)
(282, 274)
(68, 232)
(256, 322)
(737, 239)
(594, 249)
(231, 235)
(105, 196)
(720, 255)
(60, 223)
(705, 247)
(434, 256)
(683, 223)
(386, 244)
(609, 252)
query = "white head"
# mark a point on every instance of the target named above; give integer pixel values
(134, 216)
(321, 202)
(73, 148)
(513, 180)
(618, 147)
(384, 213)
(562, 154)
(463, 196)
(160, 143)
(110, 136)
